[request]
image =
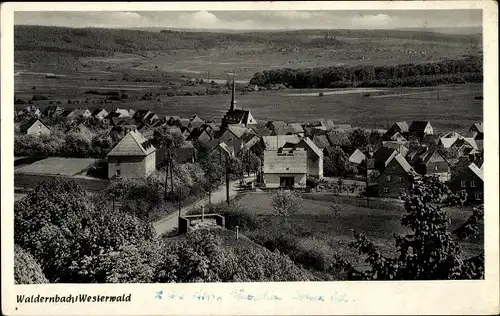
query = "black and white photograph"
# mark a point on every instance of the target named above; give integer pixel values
(240, 146)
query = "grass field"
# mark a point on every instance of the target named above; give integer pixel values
(56, 165)
(316, 226)
(454, 109)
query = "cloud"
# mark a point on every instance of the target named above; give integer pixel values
(248, 20)
(374, 21)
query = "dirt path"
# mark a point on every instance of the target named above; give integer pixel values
(169, 222)
(405, 94)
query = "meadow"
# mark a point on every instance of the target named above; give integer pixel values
(119, 62)
(315, 226)
(453, 108)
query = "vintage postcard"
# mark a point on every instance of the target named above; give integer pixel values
(250, 158)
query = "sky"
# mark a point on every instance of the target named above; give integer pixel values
(254, 20)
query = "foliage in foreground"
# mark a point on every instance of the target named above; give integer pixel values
(76, 240)
(430, 252)
(26, 269)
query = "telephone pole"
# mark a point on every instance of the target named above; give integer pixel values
(227, 178)
(171, 176)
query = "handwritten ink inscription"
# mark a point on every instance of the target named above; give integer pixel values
(242, 295)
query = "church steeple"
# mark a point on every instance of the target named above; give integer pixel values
(233, 92)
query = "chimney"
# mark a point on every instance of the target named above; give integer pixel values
(232, 96)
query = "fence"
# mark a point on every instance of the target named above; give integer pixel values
(374, 203)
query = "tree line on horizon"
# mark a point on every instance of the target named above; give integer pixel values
(468, 69)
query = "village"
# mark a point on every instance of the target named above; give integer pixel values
(291, 155)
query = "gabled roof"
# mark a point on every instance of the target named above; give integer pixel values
(402, 126)
(236, 116)
(67, 112)
(478, 127)
(99, 111)
(237, 130)
(312, 146)
(404, 164)
(418, 126)
(278, 141)
(132, 144)
(383, 156)
(321, 141)
(226, 148)
(197, 119)
(328, 124)
(477, 171)
(184, 122)
(297, 128)
(81, 112)
(357, 156)
(25, 126)
(249, 144)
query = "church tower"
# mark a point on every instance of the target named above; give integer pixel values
(233, 101)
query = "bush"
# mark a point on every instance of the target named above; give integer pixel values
(39, 97)
(99, 169)
(26, 269)
(321, 94)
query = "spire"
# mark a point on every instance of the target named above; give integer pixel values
(232, 96)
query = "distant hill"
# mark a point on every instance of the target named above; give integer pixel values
(459, 30)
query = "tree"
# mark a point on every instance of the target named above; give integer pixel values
(428, 253)
(68, 233)
(358, 138)
(26, 269)
(285, 202)
(336, 163)
(214, 173)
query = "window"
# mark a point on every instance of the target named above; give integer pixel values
(462, 184)
(118, 172)
(118, 162)
(388, 178)
(478, 195)
(386, 190)
(472, 184)
(401, 179)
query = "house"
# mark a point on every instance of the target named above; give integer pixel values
(115, 121)
(99, 114)
(420, 128)
(30, 110)
(52, 111)
(80, 129)
(429, 161)
(202, 134)
(321, 141)
(401, 128)
(356, 158)
(76, 113)
(119, 113)
(477, 129)
(237, 117)
(285, 167)
(180, 155)
(395, 179)
(403, 150)
(145, 116)
(396, 137)
(196, 121)
(233, 135)
(314, 156)
(34, 127)
(471, 181)
(133, 157)
(297, 129)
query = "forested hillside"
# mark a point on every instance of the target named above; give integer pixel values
(102, 42)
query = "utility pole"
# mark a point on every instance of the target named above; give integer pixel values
(171, 176)
(179, 197)
(227, 178)
(166, 180)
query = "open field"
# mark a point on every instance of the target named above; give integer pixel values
(315, 223)
(57, 166)
(454, 108)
